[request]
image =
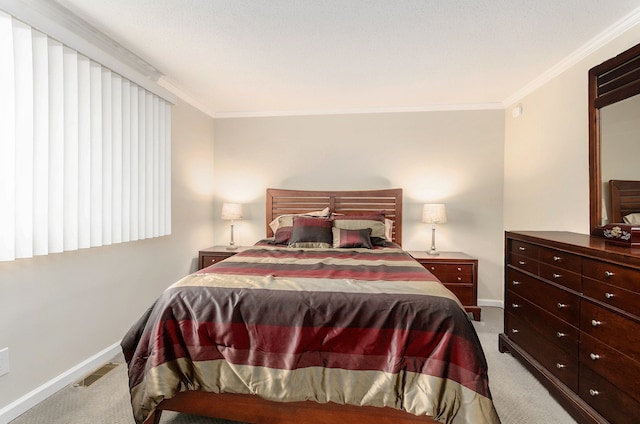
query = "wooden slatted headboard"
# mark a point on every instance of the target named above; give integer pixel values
(280, 202)
(625, 199)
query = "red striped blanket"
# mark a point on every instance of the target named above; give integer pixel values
(350, 326)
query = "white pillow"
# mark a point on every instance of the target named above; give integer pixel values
(632, 218)
(388, 229)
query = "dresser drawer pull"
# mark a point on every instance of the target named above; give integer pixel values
(561, 305)
(556, 275)
(608, 295)
(557, 258)
(560, 335)
(560, 366)
(515, 305)
(515, 330)
(522, 262)
(593, 392)
(595, 323)
(516, 283)
(522, 249)
(608, 274)
(594, 356)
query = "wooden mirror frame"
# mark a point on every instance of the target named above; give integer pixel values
(612, 81)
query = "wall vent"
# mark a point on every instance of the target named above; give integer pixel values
(96, 375)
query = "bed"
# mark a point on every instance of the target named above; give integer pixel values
(297, 333)
(625, 199)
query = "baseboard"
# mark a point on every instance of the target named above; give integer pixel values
(31, 399)
(491, 302)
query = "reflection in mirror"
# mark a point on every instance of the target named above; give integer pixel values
(619, 147)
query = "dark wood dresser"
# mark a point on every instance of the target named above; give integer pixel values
(572, 317)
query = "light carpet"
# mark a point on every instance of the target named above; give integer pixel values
(519, 398)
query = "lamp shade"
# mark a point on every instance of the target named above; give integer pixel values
(231, 211)
(434, 213)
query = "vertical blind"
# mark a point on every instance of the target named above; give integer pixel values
(85, 154)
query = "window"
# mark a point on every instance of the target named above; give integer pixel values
(85, 153)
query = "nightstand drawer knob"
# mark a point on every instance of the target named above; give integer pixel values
(594, 356)
(433, 268)
(459, 279)
(459, 269)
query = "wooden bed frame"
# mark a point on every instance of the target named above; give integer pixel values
(253, 409)
(281, 202)
(625, 199)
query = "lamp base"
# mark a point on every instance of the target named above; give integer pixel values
(232, 247)
(433, 252)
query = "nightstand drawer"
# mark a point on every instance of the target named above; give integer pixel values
(207, 260)
(214, 254)
(464, 292)
(458, 272)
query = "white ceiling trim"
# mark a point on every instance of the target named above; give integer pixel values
(69, 29)
(615, 30)
(433, 108)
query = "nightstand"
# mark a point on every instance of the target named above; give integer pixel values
(214, 254)
(458, 272)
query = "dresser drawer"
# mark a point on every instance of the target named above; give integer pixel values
(553, 329)
(626, 278)
(524, 249)
(613, 329)
(464, 292)
(561, 259)
(612, 403)
(561, 276)
(524, 263)
(612, 295)
(557, 361)
(559, 302)
(613, 365)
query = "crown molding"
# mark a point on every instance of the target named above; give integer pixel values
(355, 111)
(601, 40)
(63, 25)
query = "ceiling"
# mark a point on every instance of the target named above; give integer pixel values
(278, 57)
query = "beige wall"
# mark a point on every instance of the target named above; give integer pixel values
(58, 310)
(450, 157)
(546, 175)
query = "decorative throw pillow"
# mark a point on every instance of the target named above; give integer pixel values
(352, 238)
(311, 232)
(358, 222)
(281, 226)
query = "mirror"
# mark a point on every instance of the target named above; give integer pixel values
(614, 130)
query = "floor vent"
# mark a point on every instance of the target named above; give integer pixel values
(96, 375)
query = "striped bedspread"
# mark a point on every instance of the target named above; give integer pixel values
(350, 326)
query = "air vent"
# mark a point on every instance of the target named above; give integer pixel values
(96, 375)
